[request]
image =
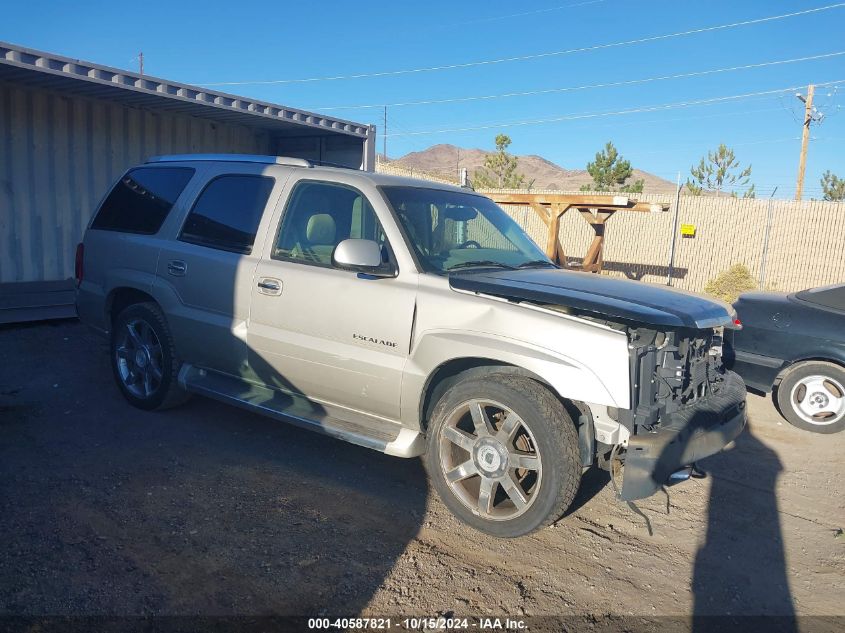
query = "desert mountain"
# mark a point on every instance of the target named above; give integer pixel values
(449, 159)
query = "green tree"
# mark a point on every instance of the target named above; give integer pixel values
(610, 172)
(717, 171)
(833, 186)
(500, 168)
(751, 192)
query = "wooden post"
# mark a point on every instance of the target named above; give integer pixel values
(552, 237)
(594, 258)
(805, 140)
(554, 249)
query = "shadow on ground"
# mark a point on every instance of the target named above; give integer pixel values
(741, 568)
(204, 509)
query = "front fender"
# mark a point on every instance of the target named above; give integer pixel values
(569, 377)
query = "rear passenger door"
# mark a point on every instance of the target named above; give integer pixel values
(207, 269)
(336, 336)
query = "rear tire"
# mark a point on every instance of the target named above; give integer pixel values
(811, 397)
(144, 359)
(503, 454)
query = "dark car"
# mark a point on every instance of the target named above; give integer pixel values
(794, 345)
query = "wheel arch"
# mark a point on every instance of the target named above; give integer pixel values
(798, 362)
(452, 371)
(442, 354)
(121, 298)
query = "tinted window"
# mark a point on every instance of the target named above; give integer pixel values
(321, 215)
(227, 213)
(140, 202)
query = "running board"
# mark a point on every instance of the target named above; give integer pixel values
(369, 432)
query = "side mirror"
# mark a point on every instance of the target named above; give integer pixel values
(363, 256)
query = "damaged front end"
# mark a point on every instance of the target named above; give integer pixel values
(685, 406)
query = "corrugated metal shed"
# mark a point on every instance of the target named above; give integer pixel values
(68, 129)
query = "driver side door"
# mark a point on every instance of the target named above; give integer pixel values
(335, 336)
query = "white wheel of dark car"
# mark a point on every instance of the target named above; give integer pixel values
(811, 396)
(503, 454)
(818, 399)
(144, 359)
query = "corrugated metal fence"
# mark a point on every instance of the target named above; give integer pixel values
(59, 154)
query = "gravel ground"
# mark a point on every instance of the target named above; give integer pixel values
(205, 509)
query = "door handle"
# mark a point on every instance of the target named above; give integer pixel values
(269, 286)
(177, 268)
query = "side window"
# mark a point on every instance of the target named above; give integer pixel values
(141, 200)
(319, 216)
(227, 213)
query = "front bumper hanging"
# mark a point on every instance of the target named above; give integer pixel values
(686, 436)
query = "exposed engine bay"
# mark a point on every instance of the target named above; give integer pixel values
(669, 371)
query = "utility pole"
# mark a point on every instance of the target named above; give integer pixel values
(811, 115)
(141, 63)
(384, 136)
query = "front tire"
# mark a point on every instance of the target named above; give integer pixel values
(811, 397)
(503, 454)
(143, 358)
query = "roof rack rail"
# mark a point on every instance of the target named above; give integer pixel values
(232, 158)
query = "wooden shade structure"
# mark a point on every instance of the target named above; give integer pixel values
(596, 209)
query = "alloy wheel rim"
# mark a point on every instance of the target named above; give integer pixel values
(139, 359)
(818, 400)
(489, 459)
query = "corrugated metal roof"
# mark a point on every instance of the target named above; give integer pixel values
(49, 71)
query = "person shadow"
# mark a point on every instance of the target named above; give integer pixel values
(740, 580)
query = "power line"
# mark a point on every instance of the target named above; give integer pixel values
(591, 115)
(627, 82)
(521, 58)
(715, 115)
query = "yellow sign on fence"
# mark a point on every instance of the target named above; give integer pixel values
(688, 230)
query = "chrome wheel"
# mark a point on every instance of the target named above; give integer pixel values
(489, 459)
(818, 399)
(138, 358)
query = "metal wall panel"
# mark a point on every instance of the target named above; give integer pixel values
(59, 153)
(337, 151)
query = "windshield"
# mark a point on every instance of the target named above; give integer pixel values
(452, 230)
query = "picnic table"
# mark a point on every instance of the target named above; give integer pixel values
(596, 209)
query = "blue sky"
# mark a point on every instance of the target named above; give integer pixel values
(213, 42)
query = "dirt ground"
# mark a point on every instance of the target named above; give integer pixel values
(209, 510)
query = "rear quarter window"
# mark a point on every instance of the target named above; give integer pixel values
(227, 213)
(832, 297)
(141, 200)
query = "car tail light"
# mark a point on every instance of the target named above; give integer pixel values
(78, 267)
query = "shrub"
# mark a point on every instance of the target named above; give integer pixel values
(728, 285)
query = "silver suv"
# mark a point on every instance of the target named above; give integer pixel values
(404, 316)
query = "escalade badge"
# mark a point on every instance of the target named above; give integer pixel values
(370, 339)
